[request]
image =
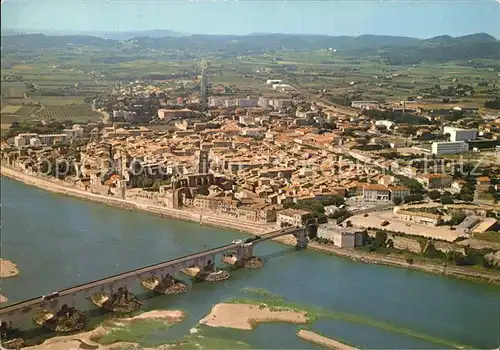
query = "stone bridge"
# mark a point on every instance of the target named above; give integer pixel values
(102, 292)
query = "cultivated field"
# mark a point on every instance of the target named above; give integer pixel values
(58, 100)
(13, 90)
(79, 73)
(71, 112)
(10, 109)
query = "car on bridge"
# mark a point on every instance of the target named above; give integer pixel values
(238, 241)
(50, 296)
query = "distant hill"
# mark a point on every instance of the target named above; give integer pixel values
(9, 32)
(40, 41)
(155, 33)
(446, 48)
(466, 39)
(392, 49)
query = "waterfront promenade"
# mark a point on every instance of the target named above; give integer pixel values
(61, 187)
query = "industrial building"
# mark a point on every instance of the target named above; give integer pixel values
(458, 134)
(458, 147)
(343, 237)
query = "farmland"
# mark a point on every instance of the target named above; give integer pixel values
(57, 100)
(13, 90)
(71, 76)
(76, 112)
(10, 109)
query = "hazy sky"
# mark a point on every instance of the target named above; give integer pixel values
(418, 18)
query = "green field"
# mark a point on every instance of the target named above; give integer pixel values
(13, 90)
(71, 112)
(58, 100)
(10, 109)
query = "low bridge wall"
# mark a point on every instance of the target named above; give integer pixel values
(78, 296)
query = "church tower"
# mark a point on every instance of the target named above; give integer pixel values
(202, 164)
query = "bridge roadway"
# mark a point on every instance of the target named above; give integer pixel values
(69, 291)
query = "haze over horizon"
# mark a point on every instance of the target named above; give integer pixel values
(419, 18)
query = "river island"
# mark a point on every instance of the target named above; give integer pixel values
(8, 269)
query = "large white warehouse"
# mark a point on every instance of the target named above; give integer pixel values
(457, 134)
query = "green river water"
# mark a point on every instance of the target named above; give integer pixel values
(58, 242)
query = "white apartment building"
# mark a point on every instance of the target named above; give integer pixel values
(217, 101)
(264, 101)
(247, 120)
(124, 114)
(274, 81)
(387, 123)
(35, 141)
(364, 104)
(458, 147)
(52, 139)
(246, 102)
(230, 103)
(457, 134)
(279, 103)
(282, 87)
(22, 140)
(75, 132)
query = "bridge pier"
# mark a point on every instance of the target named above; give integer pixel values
(120, 301)
(65, 319)
(210, 273)
(302, 238)
(10, 337)
(165, 285)
(243, 257)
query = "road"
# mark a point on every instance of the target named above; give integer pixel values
(324, 103)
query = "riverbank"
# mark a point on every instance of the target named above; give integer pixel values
(248, 316)
(87, 340)
(324, 341)
(8, 269)
(62, 187)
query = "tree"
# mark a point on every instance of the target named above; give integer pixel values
(333, 200)
(447, 200)
(457, 218)
(140, 181)
(434, 195)
(467, 198)
(158, 183)
(397, 200)
(493, 104)
(413, 198)
(380, 238)
(338, 214)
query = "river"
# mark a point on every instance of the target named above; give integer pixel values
(58, 241)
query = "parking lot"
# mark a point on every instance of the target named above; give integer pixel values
(375, 220)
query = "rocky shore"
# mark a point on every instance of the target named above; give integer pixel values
(228, 223)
